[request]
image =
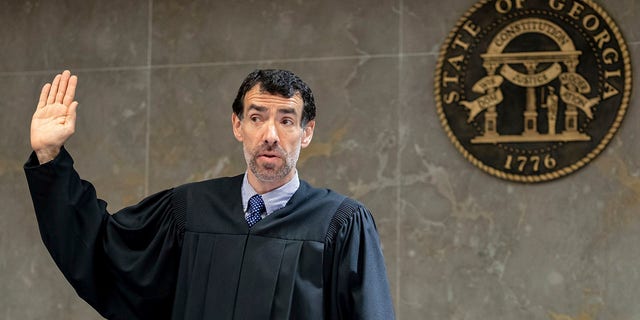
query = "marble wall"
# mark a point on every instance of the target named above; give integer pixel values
(157, 79)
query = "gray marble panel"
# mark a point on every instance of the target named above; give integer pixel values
(213, 31)
(426, 24)
(625, 13)
(190, 128)
(46, 35)
(23, 260)
(476, 247)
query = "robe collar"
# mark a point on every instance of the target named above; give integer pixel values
(274, 199)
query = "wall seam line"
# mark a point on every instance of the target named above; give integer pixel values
(149, 66)
(148, 120)
(398, 155)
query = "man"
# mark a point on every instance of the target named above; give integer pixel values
(262, 245)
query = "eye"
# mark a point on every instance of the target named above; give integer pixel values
(287, 121)
(254, 118)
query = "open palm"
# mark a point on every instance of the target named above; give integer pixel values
(54, 120)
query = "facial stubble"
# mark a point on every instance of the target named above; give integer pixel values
(269, 172)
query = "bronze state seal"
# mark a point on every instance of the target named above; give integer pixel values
(532, 90)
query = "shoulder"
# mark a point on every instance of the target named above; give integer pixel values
(349, 215)
(344, 205)
(309, 191)
(316, 199)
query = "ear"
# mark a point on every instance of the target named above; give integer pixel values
(307, 133)
(236, 123)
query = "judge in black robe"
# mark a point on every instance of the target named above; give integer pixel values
(188, 253)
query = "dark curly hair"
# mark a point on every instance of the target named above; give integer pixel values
(281, 82)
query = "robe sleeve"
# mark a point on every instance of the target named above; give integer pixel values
(356, 277)
(124, 265)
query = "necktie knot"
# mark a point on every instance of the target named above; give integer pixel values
(255, 209)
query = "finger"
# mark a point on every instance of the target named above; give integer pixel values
(71, 115)
(54, 89)
(43, 95)
(62, 86)
(71, 90)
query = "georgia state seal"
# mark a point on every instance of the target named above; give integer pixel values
(532, 90)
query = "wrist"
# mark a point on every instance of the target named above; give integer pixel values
(46, 155)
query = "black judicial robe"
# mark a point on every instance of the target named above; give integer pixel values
(187, 253)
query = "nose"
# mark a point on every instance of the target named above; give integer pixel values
(271, 134)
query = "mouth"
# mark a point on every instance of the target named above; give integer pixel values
(269, 156)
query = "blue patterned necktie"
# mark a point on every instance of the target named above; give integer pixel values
(255, 209)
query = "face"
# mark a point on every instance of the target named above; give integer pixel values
(272, 136)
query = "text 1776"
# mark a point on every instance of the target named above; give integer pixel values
(521, 163)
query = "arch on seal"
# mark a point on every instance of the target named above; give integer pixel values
(531, 25)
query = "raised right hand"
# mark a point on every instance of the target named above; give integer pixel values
(54, 120)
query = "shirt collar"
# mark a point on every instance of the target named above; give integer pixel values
(274, 199)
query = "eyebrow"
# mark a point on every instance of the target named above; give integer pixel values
(280, 110)
(257, 108)
(288, 111)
